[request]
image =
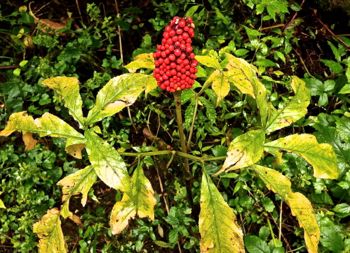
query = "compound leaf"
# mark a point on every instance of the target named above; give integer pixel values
(108, 164)
(320, 156)
(118, 93)
(294, 110)
(50, 234)
(245, 150)
(76, 183)
(68, 89)
(219, 230)
(138, 200)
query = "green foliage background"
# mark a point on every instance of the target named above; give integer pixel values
(280, 37)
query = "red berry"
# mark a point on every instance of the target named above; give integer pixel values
(177, 52)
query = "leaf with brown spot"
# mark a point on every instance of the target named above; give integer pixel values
(29, 141)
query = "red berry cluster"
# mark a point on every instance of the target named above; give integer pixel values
(174, 60)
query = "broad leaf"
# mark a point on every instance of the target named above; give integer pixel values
(298, 203)
(294, 110)
(320, 156)
(68, 89)
(29, 141)
(220, 86)
(118, 93)
(244, 77)
(138, 200)
(244, 151)
(76, 183)
(274, 180)
(209, 61)
(219, 230)
(108, 164)
(47, 125)
(302, 209)
(141, 61)
(50, 234)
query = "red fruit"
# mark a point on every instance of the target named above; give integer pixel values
(175, 66)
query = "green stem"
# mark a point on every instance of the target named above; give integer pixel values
(177, 97)
(192, 124)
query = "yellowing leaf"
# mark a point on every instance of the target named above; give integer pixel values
(244, 77)
(2, 205)
(141, 61)
(294, 110)
(19, 121)
(320, 156)
(221, 87)
(108, 164)
(274, 180)
(219, 230)
(302, 209)
(209, 61)
(76, 183)
(245, 150)
(50, 234)
(29, 141)
(118, 93)
(138, 200)
(68, 89)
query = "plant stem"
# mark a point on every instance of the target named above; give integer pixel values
(177, 97)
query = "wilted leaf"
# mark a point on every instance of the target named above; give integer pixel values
(118, 93)
(138, 200)
(245, 150)
(68, 89)
(49, 231)
(29, 141)
(302, 209)
(108, 164)
(76, 183)
(219, 230)
(141, 61)
(320, 156)
(274, 180)
(209, 61)
(295, 109)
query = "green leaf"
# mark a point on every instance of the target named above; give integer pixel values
(333, 66)
(210, 111)
(331, 237)
(254, 244)
(219, 230)
(245, 150)
(108, 164)
(320, 156)
(47, 125)
(295, 109)
(342, 210)
(301, 208)
(50, 234)
(141, 61)
(274, 180)
(209, 61)
(345, 89)
(272, 7)
(118, 93)
(68, 89)
(138, 200)
(243, 76)
(74, 184)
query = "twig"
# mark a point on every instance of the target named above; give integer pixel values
(302, 61)
(119, 33)
(280, 222)
(8, 67)
(294, 17)
(78, 7)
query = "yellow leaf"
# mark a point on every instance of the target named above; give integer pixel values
(19, 121)
(245, 150)
(219, 230)
(2, 205)
(29, 141)
(320, 156)
(302, 209)
(76, 183)
(141, 61)
(221, 87)
(48, 229)
(209, 61)
(138, 200)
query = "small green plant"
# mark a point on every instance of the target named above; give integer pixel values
(223, 75)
